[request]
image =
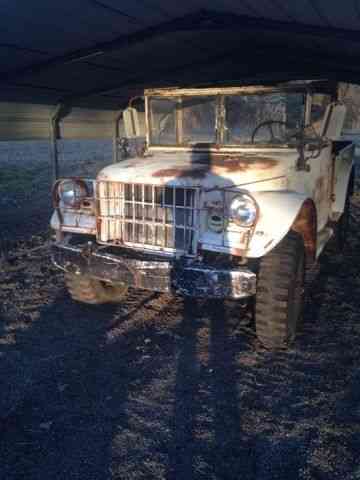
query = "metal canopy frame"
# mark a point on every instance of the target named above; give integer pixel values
(205, 21)
(279, 50)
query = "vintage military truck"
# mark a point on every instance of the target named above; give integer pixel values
(234, 195)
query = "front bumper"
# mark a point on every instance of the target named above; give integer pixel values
(150, 272)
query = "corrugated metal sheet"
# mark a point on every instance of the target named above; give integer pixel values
(24, 122)
(87, 123)
(19, 121)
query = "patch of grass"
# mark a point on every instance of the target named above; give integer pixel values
(19, 178)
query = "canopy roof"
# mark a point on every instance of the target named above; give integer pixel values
(98, 54)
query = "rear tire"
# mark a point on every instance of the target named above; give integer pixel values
(279, 298)
(86, 289)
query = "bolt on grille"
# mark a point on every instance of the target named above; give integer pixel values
(147, 216)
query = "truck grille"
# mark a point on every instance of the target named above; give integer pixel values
(150, 217)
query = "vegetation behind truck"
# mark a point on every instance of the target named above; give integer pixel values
(235, 195)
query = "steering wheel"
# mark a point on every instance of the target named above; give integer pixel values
(163, 123)
(268, 124)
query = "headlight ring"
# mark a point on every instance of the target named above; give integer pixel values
(243, 210)
(71, 192)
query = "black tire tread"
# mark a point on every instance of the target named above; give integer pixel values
(275, 281)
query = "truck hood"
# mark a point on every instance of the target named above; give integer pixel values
(255, 171)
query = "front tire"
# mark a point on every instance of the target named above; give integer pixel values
(279, 298)
(86, 289)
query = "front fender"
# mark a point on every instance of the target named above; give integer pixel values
(277, 213)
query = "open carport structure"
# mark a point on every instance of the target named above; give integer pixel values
(68, 68)
(158, 388)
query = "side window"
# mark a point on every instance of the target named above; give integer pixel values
(318, 108)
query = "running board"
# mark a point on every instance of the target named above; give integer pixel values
(322, 238)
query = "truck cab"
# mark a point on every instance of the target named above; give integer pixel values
(235, 194)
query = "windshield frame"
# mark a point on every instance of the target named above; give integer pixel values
(220, 94)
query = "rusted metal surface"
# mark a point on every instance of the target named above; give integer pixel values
(321, 193)
(217, 164)
(83, 204)
(248, 89)
(238, 252)
(235, 162)
(79, 218)
(181, 172)
(152, 274)
(202, 169)
(306, 225)
(278, 211)
(190, 279)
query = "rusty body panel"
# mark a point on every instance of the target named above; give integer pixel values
(201, 169)
(218, 165)
(306, 225)
(247, 89)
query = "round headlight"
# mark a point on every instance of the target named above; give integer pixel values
(72, 192)
(243, 210)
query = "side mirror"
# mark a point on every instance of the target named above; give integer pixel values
(333, 121)
(131, 123)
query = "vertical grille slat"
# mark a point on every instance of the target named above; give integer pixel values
(148, 216)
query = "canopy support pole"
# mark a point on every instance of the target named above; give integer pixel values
(116, 137)
(59, 113)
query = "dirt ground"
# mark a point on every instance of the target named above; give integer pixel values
(159, 388)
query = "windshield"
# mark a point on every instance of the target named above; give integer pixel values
(183, 121)
(262, 119)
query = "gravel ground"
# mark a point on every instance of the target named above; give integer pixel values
(159, 388)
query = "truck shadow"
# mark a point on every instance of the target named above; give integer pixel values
(207, 435)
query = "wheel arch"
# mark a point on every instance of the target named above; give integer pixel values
(305, 224)
(281, 212)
